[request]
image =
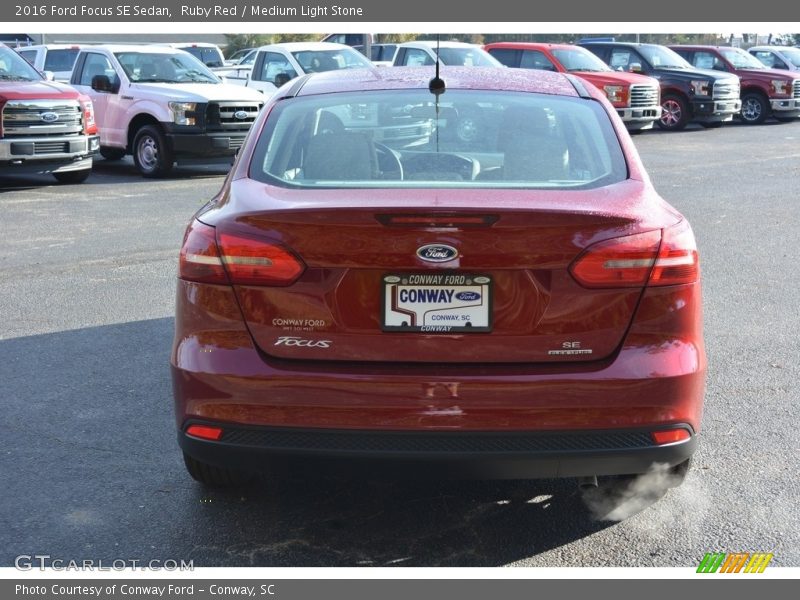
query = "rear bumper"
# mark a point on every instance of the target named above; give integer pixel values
(636, 119)
(481, 454)
(710, 111)
(655, 381)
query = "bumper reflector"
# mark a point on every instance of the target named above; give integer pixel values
(671, 436)
(204, 432)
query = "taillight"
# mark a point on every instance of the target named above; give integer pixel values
(200, 259)
(619, 262)
(250, 261)
(89, 125)
(677, 260)
(236, 259)
(666, 257)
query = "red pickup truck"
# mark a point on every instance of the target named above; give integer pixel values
(765, 92)
(45, 127)
(636, 97)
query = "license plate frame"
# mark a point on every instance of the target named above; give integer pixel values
(438, 284)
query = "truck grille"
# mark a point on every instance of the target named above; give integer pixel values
(726, 89)
(643, 95)
(796, 88)
(231, 116)
(41, 117)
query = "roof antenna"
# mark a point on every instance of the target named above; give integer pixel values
(436, 85)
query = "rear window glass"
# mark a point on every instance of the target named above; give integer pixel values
(469, 139)
(60, 60)
(211, 57)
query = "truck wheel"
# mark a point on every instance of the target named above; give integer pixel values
(214, 476)
(755, 108)
(674, 113)
(111, 153)
(72, 176)
(151, 155)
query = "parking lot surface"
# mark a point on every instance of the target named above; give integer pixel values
(91, 469)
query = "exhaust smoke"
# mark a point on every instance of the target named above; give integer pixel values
(618, 499)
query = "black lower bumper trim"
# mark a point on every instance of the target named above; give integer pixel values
(513, 455)
(206, 145)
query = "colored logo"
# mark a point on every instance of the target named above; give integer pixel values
(241, 115)
(437, 253)
(49, 117)
(738, 562)
(468, 296)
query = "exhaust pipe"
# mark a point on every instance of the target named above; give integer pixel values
(586, 483)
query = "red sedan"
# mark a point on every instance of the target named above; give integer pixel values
(368, 284)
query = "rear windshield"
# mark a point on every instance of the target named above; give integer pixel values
(404, 139)
(211, 57)
(467, 57)
(60, 60)
(318, 61)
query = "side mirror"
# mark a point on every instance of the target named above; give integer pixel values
(49, 75)
(635, 67)
(102, 83)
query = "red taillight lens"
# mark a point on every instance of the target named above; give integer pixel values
(667, 257)
(256, 262)
(677, 260)
(670, 436)
(205, 432)
(619, 262)
(200, 259)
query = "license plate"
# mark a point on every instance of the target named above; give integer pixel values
(437, 303)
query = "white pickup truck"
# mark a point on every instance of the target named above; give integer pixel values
(276, 64)
(161, 104)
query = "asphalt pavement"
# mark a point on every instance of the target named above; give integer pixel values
(90, 468)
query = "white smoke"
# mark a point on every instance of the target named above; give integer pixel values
(619, 499)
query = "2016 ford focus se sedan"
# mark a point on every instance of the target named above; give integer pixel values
(369, 284)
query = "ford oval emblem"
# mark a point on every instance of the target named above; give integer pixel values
(468, 296)
(437, 253)
(49, 117)
(240, 115)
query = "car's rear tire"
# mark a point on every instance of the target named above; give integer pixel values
(755, 108)
(112, 153)
(214, 476)
(73, 176)
(674, 113)
(151, 153)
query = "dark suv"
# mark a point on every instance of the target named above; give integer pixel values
(687, 93)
